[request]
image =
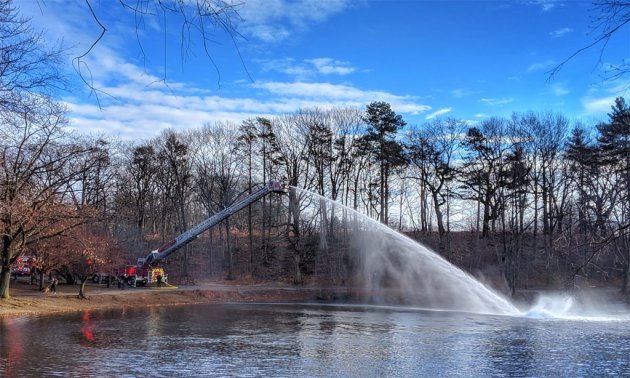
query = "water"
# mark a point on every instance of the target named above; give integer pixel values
(308, 340)
(396, 269)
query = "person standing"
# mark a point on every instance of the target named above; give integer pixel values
(53, 286)
(33, 275)
(159, 280)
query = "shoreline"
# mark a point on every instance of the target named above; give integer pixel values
(27, 301)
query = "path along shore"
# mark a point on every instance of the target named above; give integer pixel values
(27, 300)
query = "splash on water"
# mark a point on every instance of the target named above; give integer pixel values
(550, 306)
(391, 268)
(593, 306)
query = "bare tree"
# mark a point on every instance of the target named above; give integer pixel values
(482, 169)
(431, 151)
(247, 142)
(292, 137)
(29, 66)
(176, 179)
(219, 172)
(610, 17)
(38, 169)
(199, 22)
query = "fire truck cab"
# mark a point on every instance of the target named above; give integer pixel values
(143, 275)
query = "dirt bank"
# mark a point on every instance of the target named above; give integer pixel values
(26, 300)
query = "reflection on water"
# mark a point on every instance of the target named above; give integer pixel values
(12, 351)
(311, 340)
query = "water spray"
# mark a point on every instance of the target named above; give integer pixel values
(418, 275)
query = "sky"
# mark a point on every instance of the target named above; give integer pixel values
(464, 59)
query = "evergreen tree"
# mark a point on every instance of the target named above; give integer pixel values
(614, 143)
(383, 148)
(583, 160)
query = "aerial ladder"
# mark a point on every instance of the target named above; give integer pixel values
(190, 235)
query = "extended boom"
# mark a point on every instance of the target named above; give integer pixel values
(190, 235)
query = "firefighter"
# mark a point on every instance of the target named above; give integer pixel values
(33, 275)
(159, 280)
(122, 281)
(53, 285)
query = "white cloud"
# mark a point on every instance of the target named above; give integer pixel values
(136, 104)
(540, 65)
(481, 115)
(276, 20)
(560, 32)
(559, 89)
(308, 68)
(342, 95)
(597, 106)
(459, 92)
(546, 5)
(328, 66)
(496, 101)
(438, 113)
(268, 33)
(134, 111)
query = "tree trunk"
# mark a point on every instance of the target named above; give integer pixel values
(485, 228)
(82, 288)
(439, 217)
(625, 288)
(250, 238)
(5, 280)
(297, 280)
(41, 280)
(382, 215)
(184, 227)
(230, 275)
(5, 275)
(250, 227)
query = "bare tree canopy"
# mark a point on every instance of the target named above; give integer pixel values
(202, 20)
(27, 65)
(610, 17)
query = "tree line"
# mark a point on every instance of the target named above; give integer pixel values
(539, 198)
(533, 192)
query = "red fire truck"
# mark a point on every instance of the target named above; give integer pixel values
(141, 274)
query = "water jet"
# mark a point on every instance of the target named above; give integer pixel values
(393, 268)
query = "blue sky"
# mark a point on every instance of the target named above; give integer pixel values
(465, 59)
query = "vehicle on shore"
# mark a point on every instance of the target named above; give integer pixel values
(103, 278)
(147, 269)
(142, 275)
(23, 266)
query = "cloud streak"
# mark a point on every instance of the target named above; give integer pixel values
(597, 106)
(546, 5)
(342, 95)
(496, 101)
(438, 113)
(308, 68)
(136, 109)
(559, 33)
(540, 65)
(560, 89)
(273, 21)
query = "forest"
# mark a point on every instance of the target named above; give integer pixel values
(534, 200)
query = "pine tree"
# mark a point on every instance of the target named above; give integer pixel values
(614, 143)
(382, 146)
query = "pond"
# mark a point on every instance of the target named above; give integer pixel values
(308, 340)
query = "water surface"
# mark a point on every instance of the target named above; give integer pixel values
(310, 340)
